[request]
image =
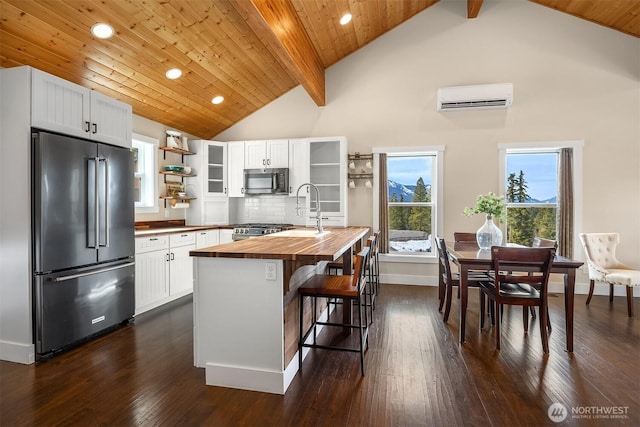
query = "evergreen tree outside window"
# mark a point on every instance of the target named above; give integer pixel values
(411, 206)
(531, 195)
(531, 206)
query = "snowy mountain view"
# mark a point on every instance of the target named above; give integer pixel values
(551, 200)
(406, 240)
(401, 241)
(401, 190)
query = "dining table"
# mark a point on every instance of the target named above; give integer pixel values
(468, 257)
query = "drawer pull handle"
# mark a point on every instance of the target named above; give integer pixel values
(153, 239)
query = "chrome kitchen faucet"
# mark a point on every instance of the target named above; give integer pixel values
(318, 211)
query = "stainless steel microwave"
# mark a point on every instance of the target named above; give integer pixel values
(266, 181)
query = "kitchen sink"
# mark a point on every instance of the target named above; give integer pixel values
(300, 233)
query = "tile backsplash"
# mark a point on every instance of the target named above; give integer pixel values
(266, 209)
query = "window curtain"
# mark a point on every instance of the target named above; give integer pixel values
(383, 198)
(565, 193)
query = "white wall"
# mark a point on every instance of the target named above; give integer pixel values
(157, 131)
(15, 216)
(573, 80)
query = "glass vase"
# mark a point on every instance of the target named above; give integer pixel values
(489, 234)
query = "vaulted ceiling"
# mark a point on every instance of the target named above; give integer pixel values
(249, 51)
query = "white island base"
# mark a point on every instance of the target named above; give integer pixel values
(239, 323)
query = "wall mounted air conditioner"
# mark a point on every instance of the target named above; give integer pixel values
(499, 95)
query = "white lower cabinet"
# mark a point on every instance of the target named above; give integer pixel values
(206, 238)
(152, 272)
(164, 269)
(181, 264)
(226, 235)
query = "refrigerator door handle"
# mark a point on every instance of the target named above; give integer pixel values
(89, 273)
(91, 212)
(106, 202)
(96, 205)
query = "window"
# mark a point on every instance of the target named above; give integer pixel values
(531, 195)
(541, 185)
(145, 181)
(412, 201)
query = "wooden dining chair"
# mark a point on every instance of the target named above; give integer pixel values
(448, 279)
(459, 236)
(372, 273)
(346, 287)
(375, 260)
(513, 285)
(372, 268)
(539, 242)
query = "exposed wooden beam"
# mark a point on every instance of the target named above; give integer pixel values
(285, 35)
(473, 8)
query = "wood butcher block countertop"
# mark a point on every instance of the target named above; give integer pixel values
(172, 230)
(305, 250)
(154, 228)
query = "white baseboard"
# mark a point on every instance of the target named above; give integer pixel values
(18, 353)
(406, 279)
(245, 378)
(276, 382)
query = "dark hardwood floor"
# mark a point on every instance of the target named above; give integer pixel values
(417, 374)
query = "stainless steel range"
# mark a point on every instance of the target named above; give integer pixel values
(246, 231)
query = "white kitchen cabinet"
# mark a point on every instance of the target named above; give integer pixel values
(164, 269)
(328, 171)
(298, 165)
(209, 187)
(65, 107)
(235, 161)
(181, 263)
(111, 120)
(226, 235)
(152, 272)
(210, 165)
(273, 153)
(215, 168)
(207, 238)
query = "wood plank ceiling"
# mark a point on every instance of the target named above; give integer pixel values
(250, 52)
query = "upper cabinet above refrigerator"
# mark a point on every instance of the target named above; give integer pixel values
(62, 106)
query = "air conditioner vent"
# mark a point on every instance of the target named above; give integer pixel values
(475, 97)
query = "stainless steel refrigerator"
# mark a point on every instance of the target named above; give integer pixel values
(83, 239)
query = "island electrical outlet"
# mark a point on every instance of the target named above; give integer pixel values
(270, 270)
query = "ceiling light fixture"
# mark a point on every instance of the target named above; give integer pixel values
(173, 73)
(102, 30)
(346, 18)
(218, 99)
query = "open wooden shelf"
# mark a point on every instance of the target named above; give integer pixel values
(180, 174)
(359, 156)
(177, 151)
(177, 198)
(360, 176)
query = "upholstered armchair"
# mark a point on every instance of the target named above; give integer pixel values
(600, 249)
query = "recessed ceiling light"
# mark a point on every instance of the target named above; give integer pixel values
(346, 18)
(173, 73)
(218, 99)
(102, 31)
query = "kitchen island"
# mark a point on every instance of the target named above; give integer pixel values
(246, 305)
